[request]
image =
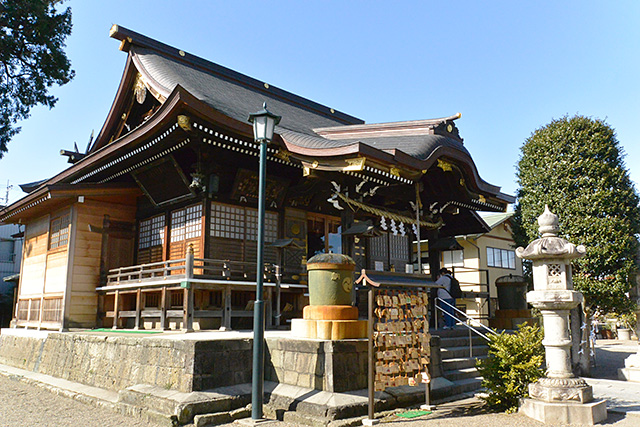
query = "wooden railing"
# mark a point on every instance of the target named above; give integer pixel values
(188, 267)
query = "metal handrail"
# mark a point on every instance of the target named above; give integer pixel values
(468, 319)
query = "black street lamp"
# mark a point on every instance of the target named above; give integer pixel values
(263, 124)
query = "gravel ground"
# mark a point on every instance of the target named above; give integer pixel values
(28, 405)
(23, 404)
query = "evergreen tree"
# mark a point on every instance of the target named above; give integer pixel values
(575, 165)
(32, 38)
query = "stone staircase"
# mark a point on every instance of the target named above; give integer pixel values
(458, 365)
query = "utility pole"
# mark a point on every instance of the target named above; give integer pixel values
(6, 197)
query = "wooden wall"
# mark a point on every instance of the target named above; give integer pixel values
(34, 257)
(43, 274)
(87, 250)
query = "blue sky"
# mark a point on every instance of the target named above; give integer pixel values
(508, 67)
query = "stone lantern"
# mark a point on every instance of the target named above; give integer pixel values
(559, 397)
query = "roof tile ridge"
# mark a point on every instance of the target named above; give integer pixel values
(408, 127)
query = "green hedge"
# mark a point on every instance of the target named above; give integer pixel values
(515, 360)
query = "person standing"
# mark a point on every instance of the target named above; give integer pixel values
(444, 293)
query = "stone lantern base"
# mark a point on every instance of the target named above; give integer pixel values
(563, 401)
(631, 370)
(565, 412)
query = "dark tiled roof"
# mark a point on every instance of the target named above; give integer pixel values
(312, 141)
(232, 97)
(418, 146)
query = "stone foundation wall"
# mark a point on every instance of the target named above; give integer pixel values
(113, 363)
(118, 362)
(334, 366)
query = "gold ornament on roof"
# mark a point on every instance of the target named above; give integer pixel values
(394, 171)
(356, 164)
(445, 166)
(184, 122)
(283, 154)
(139, 89)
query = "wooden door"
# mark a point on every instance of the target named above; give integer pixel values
(118, 238)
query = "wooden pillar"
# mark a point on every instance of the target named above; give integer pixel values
(116, 309)
(434, 255)
(164, 307)
(138, 309)
(187, 303)
(269, 307)
(346, 221)
(40, 312)
(226, 314)
(187, 307)
(100, 313)
(434, 268)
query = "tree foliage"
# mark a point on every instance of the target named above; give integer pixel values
(514, 361)
(32, 38)
(575, 165)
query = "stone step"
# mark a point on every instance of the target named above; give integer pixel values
(185, 406)
(460, 363)
(218, 418)
(468, 384)
(463, 352)
(459, 332)
(458, 389)
(461, 342)
(461, 374)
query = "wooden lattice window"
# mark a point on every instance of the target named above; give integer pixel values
(232, 222)
(151, 239)
(59, 231)
(52, 310)
(270, 225)
(227, 221)
(151, 232)
(186, 223)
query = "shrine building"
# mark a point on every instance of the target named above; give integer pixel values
(155, 226)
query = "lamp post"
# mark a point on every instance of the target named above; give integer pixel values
(263, 124)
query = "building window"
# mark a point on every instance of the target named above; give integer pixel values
(151, 232)
(501, 258)
(453, 258)
(186, 223)
(59, 231)
(232, 222)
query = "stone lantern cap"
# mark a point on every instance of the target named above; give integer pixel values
(550, 245)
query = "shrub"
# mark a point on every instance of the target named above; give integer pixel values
(514, 361)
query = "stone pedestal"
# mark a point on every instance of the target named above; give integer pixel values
(563, 413)
(559, 398)
(631, 370)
